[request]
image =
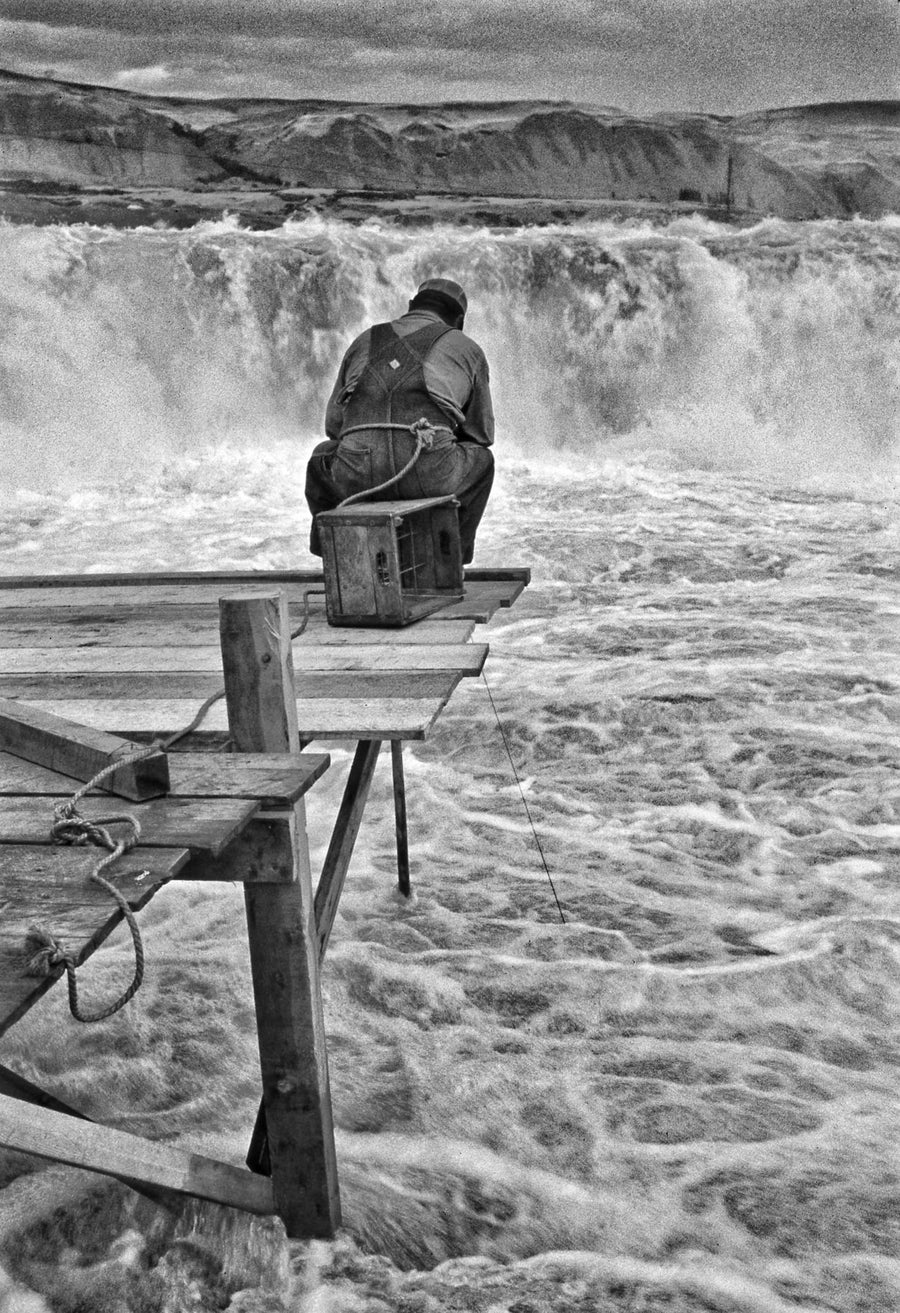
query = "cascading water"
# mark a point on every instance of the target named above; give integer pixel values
(685, 1096)
(773, 349)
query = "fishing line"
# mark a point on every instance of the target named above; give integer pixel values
(537, 841)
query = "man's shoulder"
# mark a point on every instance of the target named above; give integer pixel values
(457, 341)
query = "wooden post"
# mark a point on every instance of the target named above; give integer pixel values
(284, 953)
(400, 816)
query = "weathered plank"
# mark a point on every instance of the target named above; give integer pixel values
(54, 1135)
(189, 626)
(178, 684)
(482, 599)
(319, 718)
(422, 633)
(48, 740)
(232, 579)
(273, 779)
(122, 594)
(16, 1087)
(262, 853)
(492, 574)
(256, 656)
(50, 887)
(467, 658)
(200, 824)
(186, 585)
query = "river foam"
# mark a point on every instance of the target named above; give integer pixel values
(682, 1096)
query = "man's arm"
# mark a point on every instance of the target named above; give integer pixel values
(351, 367)
(478, 413)
(334, 411)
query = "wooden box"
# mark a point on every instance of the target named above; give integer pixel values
(389, 563)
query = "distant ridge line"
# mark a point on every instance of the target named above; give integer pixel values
(430, 106)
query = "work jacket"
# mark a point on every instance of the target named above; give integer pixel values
(455, 374)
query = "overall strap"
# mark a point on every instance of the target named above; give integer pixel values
(394, 358)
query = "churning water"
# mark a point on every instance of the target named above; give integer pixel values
(684, 1097)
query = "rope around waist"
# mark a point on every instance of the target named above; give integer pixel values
(424, 433)
(420, 428)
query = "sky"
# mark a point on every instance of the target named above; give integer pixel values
(713, 56)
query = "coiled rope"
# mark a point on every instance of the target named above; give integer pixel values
(422, 430)
(44, 948)
(70, 827)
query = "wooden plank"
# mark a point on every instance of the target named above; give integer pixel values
(15, 1086)
(49, 886)
(18, 1088)
(142, 594)
(77, 750)
(263, 853)
(190, 626)
(273, 779)
(95, 659)
(493, 574)
(122, 594)
(177, 685)
(53, 1135)
(321, 718)
(284, 959)
(467, 658)
(230, 578)
(482, 599)
(200, 824)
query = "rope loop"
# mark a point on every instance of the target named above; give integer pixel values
(45, 950)
(422, 430)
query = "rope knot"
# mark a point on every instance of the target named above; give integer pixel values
(44, 952)
(424, 431)
(70, 827)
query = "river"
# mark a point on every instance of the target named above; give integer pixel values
(682, 1095)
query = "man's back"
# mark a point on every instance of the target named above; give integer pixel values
(455, 371)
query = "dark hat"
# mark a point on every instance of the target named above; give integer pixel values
(445, 287)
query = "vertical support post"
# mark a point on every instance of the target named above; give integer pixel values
(284, 954)
(400, 817)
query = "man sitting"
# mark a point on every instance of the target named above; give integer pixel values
(420, 366)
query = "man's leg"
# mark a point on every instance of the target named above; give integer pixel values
(473, 493)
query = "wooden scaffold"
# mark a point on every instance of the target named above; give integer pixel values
(238, 816)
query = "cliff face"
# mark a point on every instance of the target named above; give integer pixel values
(852, 150)
(800, 162)
(557, 151)
(57, 132)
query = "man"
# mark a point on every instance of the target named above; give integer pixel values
(420, 366)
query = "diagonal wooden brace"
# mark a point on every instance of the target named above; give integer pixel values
(343, 839)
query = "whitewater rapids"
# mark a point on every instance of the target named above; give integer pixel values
(684, 1096)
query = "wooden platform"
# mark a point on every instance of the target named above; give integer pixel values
(135, 655)
(211, 814)
(213, 800)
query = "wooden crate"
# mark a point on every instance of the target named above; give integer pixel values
(389, 563)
